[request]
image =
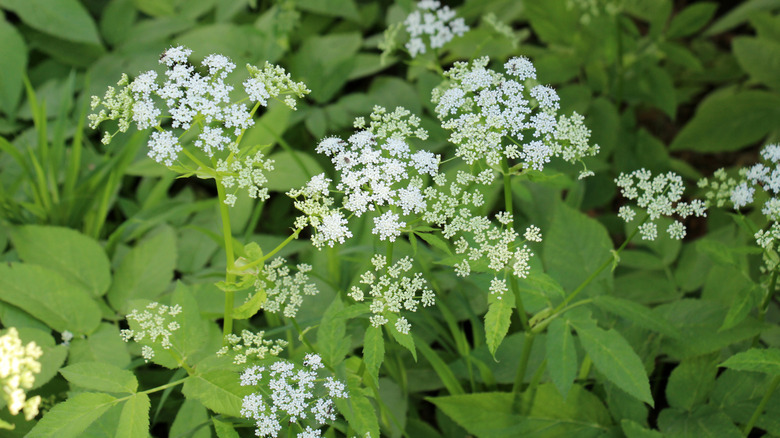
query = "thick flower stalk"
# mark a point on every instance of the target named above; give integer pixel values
(290, 395)
(18, 366)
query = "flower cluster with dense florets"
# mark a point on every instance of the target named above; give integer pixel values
(284, 290)
(250, 346)
(290, 394)
(18, 366)
(432, 26)
(390, 290)
(153, 325)
(494, 116)
(658, 196)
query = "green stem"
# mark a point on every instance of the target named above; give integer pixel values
(227, 234)
(523, 365)
(155, 389)
(585, 368)
(598, 271)
(278, 248)
(760, 408)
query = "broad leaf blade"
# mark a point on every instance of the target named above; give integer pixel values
(100, 376)
(561, 356)
(70, 418)
(134, 420)
(756, 359)
(373, 352)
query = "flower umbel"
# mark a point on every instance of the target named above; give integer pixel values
(153, 325)
(18, 366)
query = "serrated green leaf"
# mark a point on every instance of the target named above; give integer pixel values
(760, 58)
(691, 19)
(756, 359)
(134, 420)
(66, 19)
(216, 385)
(75, 256)
(48, 296)
(357, 408)
(103, 345)
(146, 271)
(497, 320)
(13, 62)
(691, 381)
(405, 340)
(191, 421)
(614, 358)
(574, 247)
(729, 122)
(741, 307)
(561, 356)
(70, 418)
(373, 352)
(332, 341)
(100, 376)
(638, 314)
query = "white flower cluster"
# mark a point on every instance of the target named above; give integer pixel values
(330, 225)
(191, 100)
(492, 116)
(284, 291)
(377, 168)
(478, 240)
(658, 196)
(447, 198)
(764, 175)
(245, 174)
(18, 366)
(251, 346)
(154, 325)
(432, 25)
(391, 290)
(296, 396)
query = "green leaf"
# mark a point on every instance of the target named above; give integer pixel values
(234, 41)
(224, 429)
(497, 320)
(481, 414)
(574, 247)
(102, 345)
(134, 420)
(192, 421)
(13, 63)
(357, 409)
(48, 296)
(441, 368)
(324, 63)
(336, 8)
(405, 340)
(70, 418)
(100, 376)
(191, 336)
(691, 382)
(746, 299)
(740, 14)
(75, 256)
(216, 385)
(760, 58)
(146, 271)
(435, 241)
(614, 358)
(155, 8)
(691, 19)
(561, 356)
(332, 342)
(292, 170)
(756, 359)
(705, 421)
(581, 414)
(66, 19)
(373, 352)
(637, 314)
(729, 122)
(633, 429)
(251, 307)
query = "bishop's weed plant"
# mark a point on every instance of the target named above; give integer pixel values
(479, 236)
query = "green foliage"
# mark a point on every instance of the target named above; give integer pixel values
(607, 334)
